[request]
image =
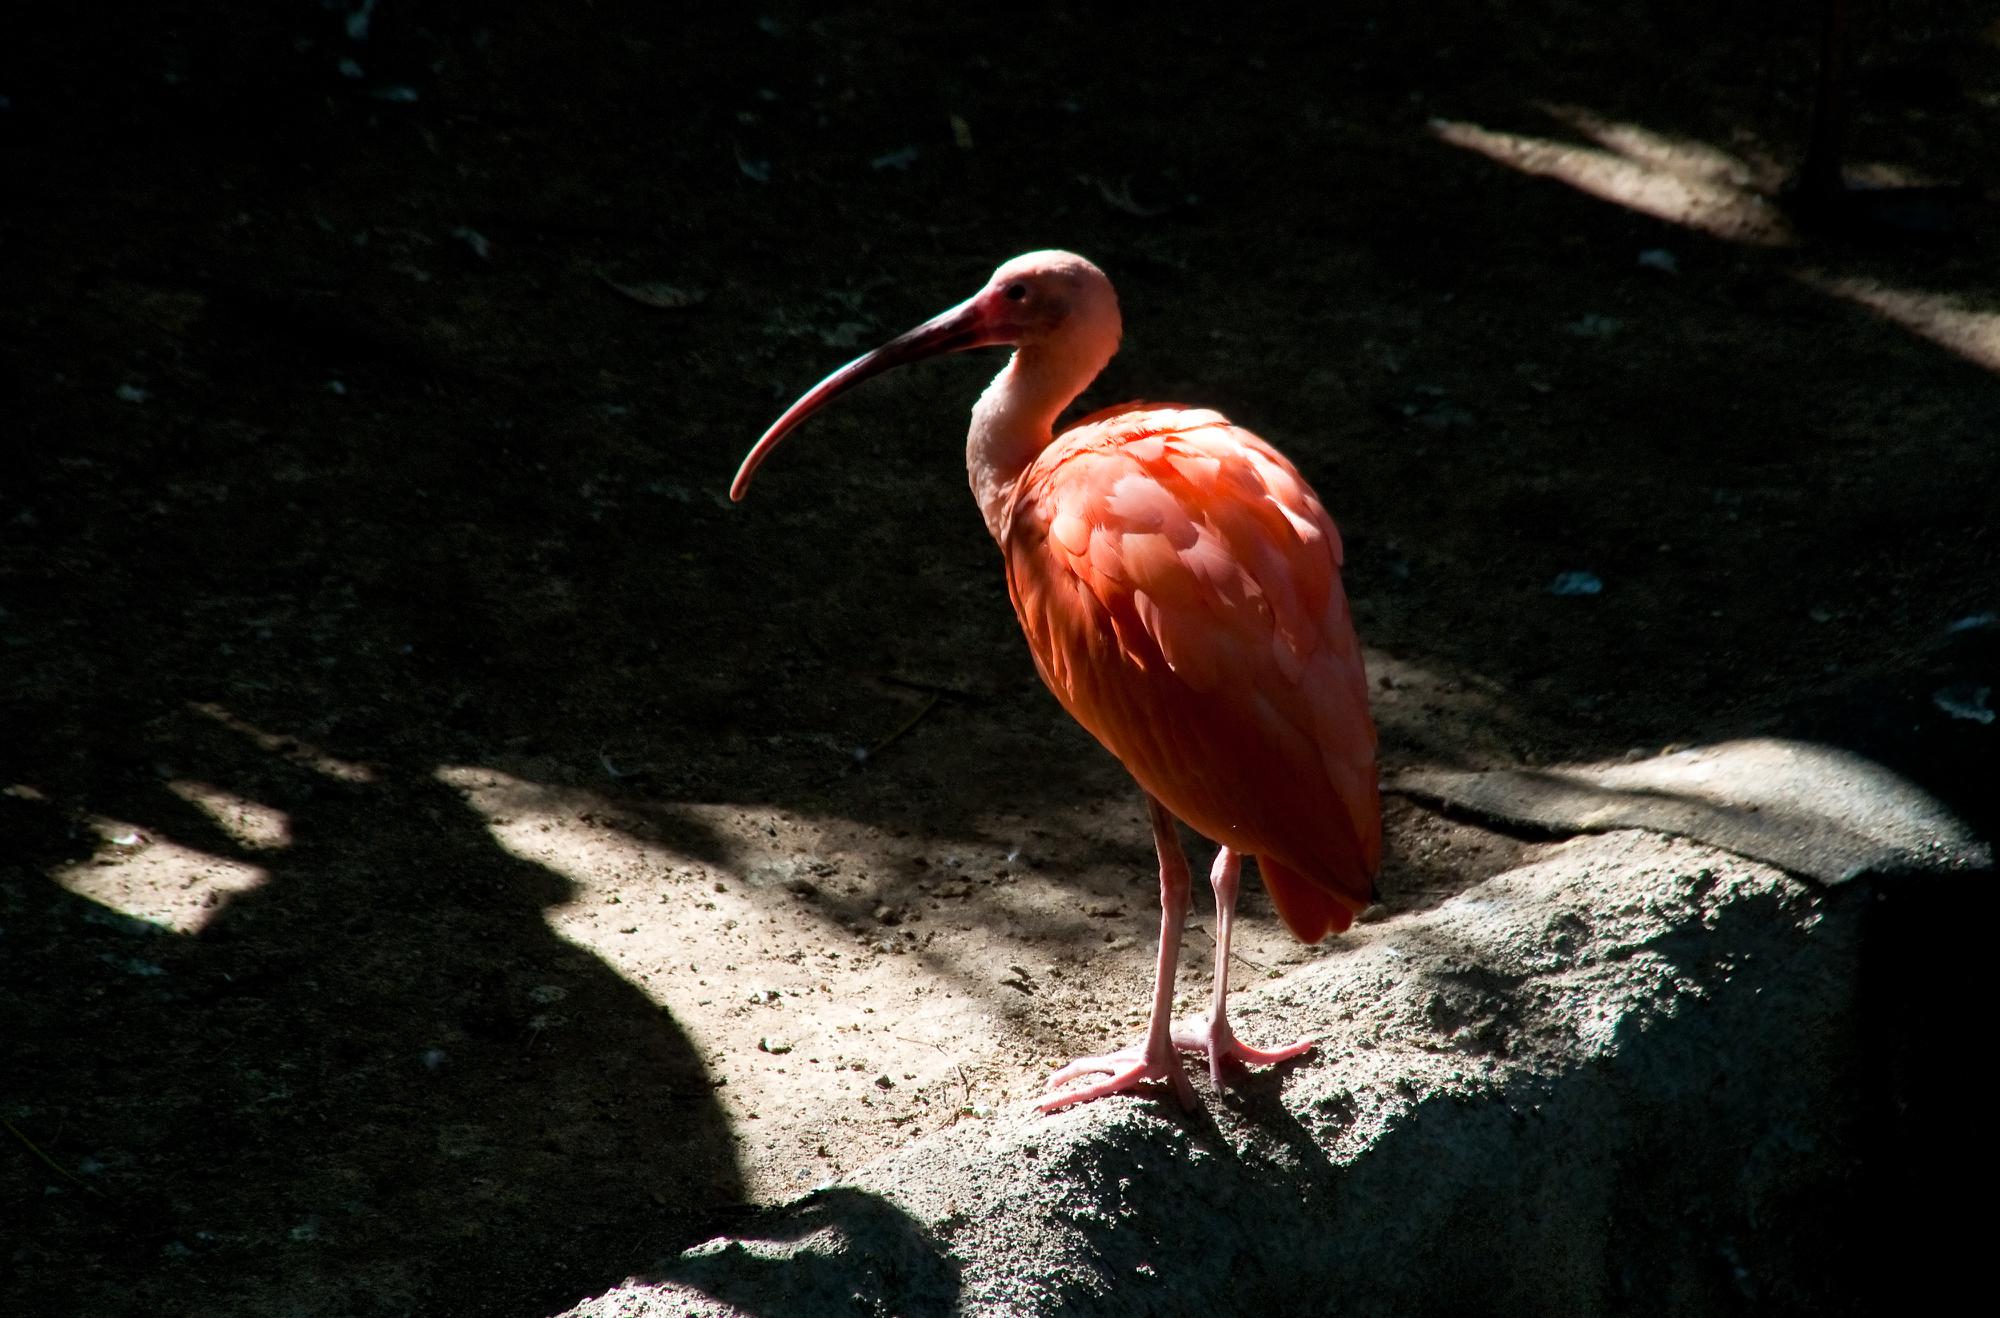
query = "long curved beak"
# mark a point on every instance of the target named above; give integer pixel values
(970, 324)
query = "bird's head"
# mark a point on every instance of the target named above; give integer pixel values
(1042, 301)
(1044, 296)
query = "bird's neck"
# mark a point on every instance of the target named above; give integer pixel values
(1014, 421)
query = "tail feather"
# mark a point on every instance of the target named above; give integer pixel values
(1310, 909)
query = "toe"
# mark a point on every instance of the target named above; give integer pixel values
(1250, 1056)
(1123, 1072)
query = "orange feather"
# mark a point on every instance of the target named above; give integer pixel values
(1179, 585)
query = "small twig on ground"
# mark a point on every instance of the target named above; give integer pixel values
(929, 688)
(964, 1085)
(1234, 955)
(54, 1166)
(1237, 956)
(965, 1093)
(617, 774)
(871, 752)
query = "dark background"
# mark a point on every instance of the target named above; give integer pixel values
(503, 532)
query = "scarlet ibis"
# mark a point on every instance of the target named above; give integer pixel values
(1179, 584)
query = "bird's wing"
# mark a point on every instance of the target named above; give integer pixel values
(1179, 583)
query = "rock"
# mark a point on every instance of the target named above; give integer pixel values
(1815, 810)
(1641, 1075)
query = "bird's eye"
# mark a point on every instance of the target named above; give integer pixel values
(1017, 292)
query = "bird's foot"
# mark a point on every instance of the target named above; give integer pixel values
(1126, 1069)
(1221, 1044)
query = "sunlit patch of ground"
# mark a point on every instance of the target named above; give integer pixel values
(250, 824)
(291, 748)
(1942, 318)
(846, 988)
(1679, 180)
(159, 882)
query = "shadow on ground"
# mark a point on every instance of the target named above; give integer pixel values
(323, 412)
(374, 1083)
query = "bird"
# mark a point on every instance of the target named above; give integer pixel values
(1178, 583)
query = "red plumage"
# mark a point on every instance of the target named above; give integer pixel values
(1179, 585)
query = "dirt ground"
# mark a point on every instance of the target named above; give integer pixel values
(450, 857)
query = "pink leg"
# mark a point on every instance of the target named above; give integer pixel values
(1218, 1040)
(1155, 1059)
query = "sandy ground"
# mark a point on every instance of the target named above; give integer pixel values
(453, 858)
